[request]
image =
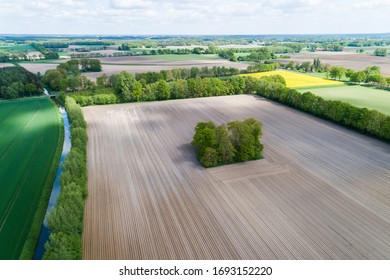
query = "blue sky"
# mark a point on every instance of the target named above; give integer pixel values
(194, 16)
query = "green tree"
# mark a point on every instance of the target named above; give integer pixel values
(225, 149)
(204, 137)
(63, 246)
(209, 158)
(358, 77)
(316, 64)
(137, 91)
(162, 90)
(380, 52)
(124, 86)
(337, 72)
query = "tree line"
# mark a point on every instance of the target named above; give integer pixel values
(237, 141)
(65, 221)
(48, 54)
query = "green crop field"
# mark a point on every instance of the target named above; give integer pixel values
(16, 47)
(30, 131)
(359, 96)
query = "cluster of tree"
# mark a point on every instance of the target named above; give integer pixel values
(128, 89)
(46, 53)
(162, 51)
(66, 76)
(92, 43)
(371, 74)
(297, 48)
(261, 67)
(186, 73)
(336, 47)
(228, 54)
(87, 55)
(55, 45)
(238, 141)
(65, 221)
(307, 66)
(90, 65)
(380, 52)
(258, 55)
(163, 85)
(361, 119)
(18, 82)
(255, 55)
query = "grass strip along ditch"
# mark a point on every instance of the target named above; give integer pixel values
(65, 221)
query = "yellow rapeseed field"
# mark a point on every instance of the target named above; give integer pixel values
(296, 80)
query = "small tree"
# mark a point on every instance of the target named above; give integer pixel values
(380, 52)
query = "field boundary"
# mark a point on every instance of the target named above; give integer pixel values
(30, 244)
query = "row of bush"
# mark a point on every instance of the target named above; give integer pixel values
(65, 221)
(363, 120)
(235, 142)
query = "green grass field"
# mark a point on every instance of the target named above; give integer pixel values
(16, 47)
(359, 96)
(29, 139)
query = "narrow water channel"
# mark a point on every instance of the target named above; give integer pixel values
(44, 236)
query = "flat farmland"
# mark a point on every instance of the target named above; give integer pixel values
(29, 137)
(321, 191)
(355, 61)
(141, 64)
(298, 80)
(360, 96)
(35, 67)
(156, 63)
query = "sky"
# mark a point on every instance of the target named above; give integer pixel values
(175, 17)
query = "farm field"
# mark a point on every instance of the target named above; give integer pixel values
(359, 96)
(156, 63)
(168, 59)
(140, 64)
(29, 137)
(296, 80)
(355, 61)
(41, 67)
(321, 191)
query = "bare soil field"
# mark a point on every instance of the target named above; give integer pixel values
(141, 64)
(321, 191)
(151, 60)
(39, 67)
(355, 61)
(5, 64)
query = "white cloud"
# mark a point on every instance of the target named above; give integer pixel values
(195, 16)
(130, 4)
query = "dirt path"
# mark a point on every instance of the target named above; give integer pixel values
(322, 192)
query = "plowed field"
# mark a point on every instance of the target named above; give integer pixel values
(321, 191)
